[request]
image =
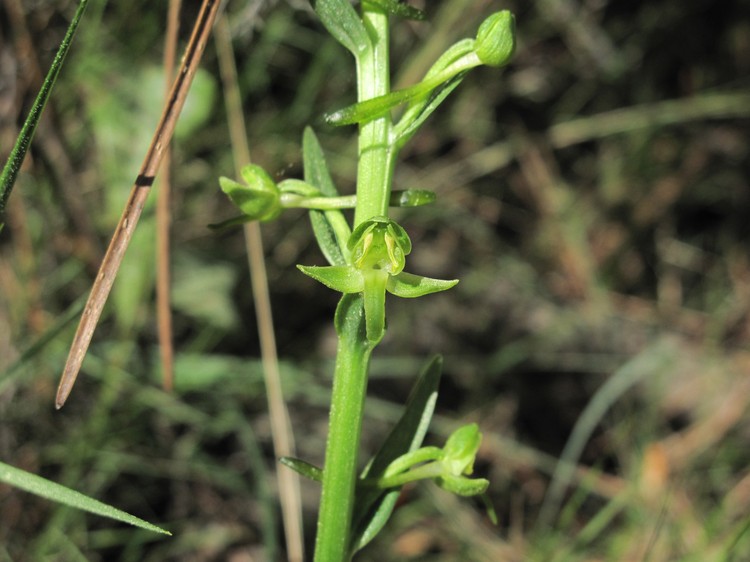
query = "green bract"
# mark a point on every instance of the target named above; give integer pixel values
(378, 250)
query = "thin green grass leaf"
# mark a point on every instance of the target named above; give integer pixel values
(42, 487)
(652, 360)
(18, 153)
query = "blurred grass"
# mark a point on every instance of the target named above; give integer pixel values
(592, 198)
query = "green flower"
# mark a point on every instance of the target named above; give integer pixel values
(457, 462)
(449, 467)
(378, 249)
(259, 198)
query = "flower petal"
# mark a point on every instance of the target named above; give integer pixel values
(342, 278)
(409, 286)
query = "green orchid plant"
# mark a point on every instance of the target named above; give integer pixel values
(366, 261)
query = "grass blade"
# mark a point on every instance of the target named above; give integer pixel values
(50, 490)
(18, 153)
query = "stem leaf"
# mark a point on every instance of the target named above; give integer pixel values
(343, 23)
(418, 113)
(330, 227)
(316, 168)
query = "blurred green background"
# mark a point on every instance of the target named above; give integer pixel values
(593, 199)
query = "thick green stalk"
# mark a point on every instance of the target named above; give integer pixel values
(376, 155)
(374, 176)
(347, 402)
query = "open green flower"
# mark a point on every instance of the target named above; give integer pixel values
(378, 249)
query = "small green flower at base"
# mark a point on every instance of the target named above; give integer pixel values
(378, 249)
(458, 460)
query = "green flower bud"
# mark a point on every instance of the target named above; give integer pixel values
(496, 39)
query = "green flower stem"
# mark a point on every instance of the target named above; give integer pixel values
(347, 402)
(376, 153)
(374, 175)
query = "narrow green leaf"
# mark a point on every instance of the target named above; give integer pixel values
(414, 116)
(303, 467)
(344, 24)
(373, 507)
(18, 153)
(331, 231)
(409, 286)
(39, 486)
(316, 167)
(330, 227)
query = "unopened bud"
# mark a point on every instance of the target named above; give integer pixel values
(496, 39)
